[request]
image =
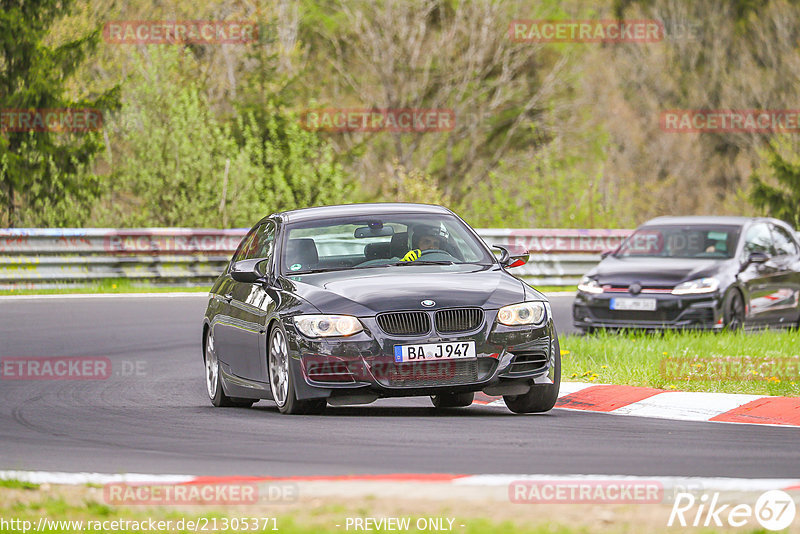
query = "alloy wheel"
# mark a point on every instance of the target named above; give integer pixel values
(279, 367)
(212, 367)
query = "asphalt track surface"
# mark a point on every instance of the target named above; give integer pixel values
(159, 420)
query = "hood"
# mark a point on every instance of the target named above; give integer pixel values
(370, 291)
(655, 272)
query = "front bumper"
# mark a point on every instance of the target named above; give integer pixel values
(361, 368)
(703, 312)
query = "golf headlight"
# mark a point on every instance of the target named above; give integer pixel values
(694, 287)
(524, 313)
(590, 285)
(327, 325)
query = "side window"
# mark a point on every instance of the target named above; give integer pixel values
(784, 244)
(244, 246)
(758, 239)
(261, 247)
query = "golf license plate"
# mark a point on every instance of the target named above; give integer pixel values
(633, 304)
(427, 352)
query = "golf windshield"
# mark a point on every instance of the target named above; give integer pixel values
(705, 241)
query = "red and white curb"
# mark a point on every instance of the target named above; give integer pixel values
(677, 405)
(462, 480)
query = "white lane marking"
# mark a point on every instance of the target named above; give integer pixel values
(177, 294)
(669, 482)
(686, 405)
(559, 294)
(56, 477)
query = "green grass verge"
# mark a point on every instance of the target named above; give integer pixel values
(18, 484)
(760, 363)
(111, 285)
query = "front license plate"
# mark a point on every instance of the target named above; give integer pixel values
(434, 351)
(633, 304)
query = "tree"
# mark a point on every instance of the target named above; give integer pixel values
(43, 174)
(437, 54)
(178, 164)
(781, 198)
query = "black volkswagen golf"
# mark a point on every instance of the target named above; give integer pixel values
(347, 304)
(696, 272)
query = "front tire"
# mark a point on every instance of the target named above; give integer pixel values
(281, 380)
(453, 400)
(733, 311)
(540, 398)
(214, 380)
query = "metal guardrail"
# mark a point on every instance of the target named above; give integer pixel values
(45, 257)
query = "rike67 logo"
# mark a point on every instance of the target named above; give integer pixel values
(774, 510)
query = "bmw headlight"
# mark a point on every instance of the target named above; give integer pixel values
(696, 287)
(524, 313)
(590, 285)
(327, 325)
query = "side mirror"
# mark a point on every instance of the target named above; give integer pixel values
(248, 271)
(513, 255)
(755, 257)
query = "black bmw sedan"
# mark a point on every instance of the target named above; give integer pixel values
(696, 272)
(348, 304)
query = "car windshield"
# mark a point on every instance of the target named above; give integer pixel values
(379, 241)
(705, 241)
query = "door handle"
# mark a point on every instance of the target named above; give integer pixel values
(227, 297)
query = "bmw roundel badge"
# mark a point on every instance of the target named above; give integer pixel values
(428, 303)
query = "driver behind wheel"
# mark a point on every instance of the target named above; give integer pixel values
(425, 238)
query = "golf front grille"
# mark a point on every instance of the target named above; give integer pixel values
(424, 374)
(405, 323)
(458, 320)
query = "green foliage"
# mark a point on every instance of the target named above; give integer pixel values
(181, 165)
(546, 135)
(43, 174)
(296, 167)
(776, 189)
(404, 185)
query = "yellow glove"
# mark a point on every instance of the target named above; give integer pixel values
(412, 255)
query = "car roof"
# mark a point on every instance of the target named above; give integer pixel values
(705, 219)
(371, 209)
